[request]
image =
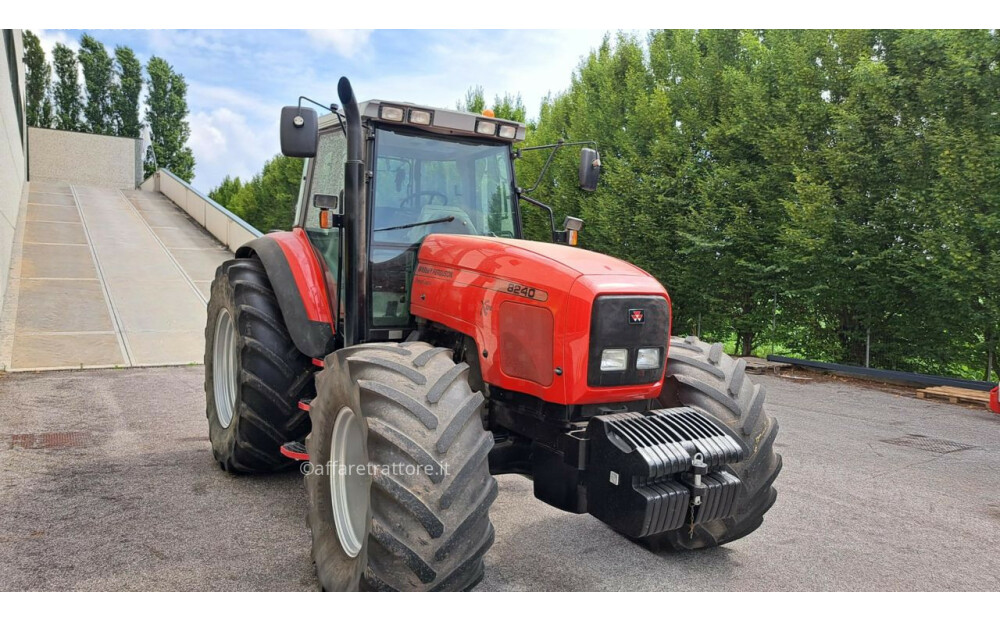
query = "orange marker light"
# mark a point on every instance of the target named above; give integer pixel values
(489, 114)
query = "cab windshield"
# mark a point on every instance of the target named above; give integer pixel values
(426, 184)
(423, 178)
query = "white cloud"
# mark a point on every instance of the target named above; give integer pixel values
(532, 63)
(210, 96)
(347, 43)
(227, 142)
(49, 38)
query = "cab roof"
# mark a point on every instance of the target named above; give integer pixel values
(442, 120)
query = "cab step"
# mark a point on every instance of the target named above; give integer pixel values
(295, 450)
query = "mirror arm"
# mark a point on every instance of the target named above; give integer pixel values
(333, 107)
(541, 175)
(552, 218)
(555, 148)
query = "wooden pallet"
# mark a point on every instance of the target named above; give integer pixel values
(759, 366)
(956, 395)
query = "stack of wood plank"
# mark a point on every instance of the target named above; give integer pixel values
(956, 395)
(758, 366)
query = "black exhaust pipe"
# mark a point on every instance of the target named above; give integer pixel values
(356, 222)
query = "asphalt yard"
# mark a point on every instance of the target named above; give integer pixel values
(107, 483)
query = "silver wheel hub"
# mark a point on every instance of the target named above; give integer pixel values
(225, 368)
(349, 481)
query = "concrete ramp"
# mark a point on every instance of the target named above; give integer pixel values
(104, 278)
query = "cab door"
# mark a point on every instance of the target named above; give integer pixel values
(323, 187)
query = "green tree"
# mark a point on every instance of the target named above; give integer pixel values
(38, 82)
(224, 193)
(509, 106)
(166, 112)
(66, 92)
(125, 92)
(474, 100)
(97, 75)
(267, 201)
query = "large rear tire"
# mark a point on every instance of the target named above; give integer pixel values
(254, 374)
(421, 519)
(700, 375)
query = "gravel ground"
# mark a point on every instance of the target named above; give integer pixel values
(128, 497)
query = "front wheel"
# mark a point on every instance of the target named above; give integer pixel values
(398, 481)
(254, 374)
(700, 375)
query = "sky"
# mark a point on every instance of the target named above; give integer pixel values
(239, 79)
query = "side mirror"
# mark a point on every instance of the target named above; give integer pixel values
(590, 169)
(299, 131)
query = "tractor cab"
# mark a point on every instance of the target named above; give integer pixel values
(431, 176)
(429, 171)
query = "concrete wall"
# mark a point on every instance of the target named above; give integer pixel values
(84, 158)
(13, 189)
(220, 222)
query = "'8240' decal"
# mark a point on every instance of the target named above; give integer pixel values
(504, 286)
(521, 290)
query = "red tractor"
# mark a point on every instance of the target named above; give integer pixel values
(408, 345)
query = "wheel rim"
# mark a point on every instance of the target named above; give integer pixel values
(224, 368)
(349, 481)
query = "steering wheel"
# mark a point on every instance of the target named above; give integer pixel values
(433, 194)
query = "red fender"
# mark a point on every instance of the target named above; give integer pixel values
(304, 286)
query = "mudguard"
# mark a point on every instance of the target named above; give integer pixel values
(995, 399)
(302, 284)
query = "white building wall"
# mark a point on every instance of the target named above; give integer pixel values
(13, 188)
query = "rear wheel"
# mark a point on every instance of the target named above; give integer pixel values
(399, 485)
(254, 374)
(700, 375)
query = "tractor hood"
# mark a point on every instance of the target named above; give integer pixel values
(533, 308)
(473, 252)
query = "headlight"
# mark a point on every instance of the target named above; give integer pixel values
(647, 359)
(487, 128)
(614, 359)
(389, 113)
(420, 117)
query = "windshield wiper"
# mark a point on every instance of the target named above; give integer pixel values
(440, 220)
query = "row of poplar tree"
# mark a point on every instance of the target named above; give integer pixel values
(107, 102)
(833, 195)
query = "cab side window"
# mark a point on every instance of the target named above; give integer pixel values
(326, 176)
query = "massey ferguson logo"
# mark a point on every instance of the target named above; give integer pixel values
(636, 316)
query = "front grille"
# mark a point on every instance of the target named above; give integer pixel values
(611, 327)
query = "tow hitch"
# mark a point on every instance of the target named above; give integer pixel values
(651, 472)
